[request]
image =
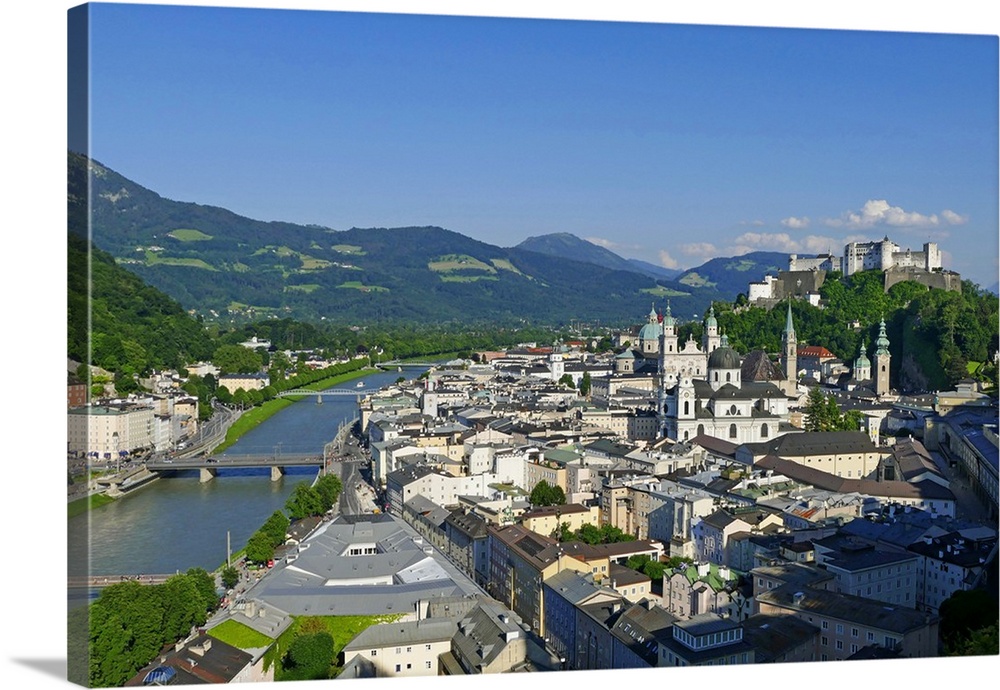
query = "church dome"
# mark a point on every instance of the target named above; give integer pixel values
(711, 321)
(724, 358)
(651, 331)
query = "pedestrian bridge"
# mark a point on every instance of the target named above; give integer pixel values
(319, 395)
(407, 365)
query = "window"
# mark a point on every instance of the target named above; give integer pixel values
(840, 645)
(871, 637)
(732, 431)
(374, 652)
(824, 641)
(854, 632)
(427, 664)
(398, 668)
(399, 650)
(826, 625)
(428, 648)
(840, 628)
(409, 649)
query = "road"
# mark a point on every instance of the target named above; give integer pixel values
(968, 505)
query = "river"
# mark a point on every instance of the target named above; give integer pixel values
(176, 523)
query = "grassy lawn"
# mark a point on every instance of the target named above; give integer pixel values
(458, 262)
(342, 629)
(660, 291)
(505, 265)
(305, 287)
(695, 280)
(358, 285)
(188, 235)
(152, 258)
(348, 249)
(239, 635)
(466, 279)
(82, 505)
(310, 263)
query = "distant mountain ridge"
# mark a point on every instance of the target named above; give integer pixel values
(732, 275)
(568, 246)
(224, 266)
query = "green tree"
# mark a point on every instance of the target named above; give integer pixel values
(309, 657)
(965, 612)
(259, 548)
(205, 586)
(566, 380)
(304, 502)
(328, 487)
(230, 577)
(182, 606)
(236, 359)
(585, 384)
(276, 528)
(545, 494)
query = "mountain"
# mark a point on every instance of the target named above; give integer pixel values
(731, 275)
(569, 246)
(228, 268)
(654, 270)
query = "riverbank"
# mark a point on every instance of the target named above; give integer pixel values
(82, 505)
(253, 417)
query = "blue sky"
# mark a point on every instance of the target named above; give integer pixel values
(669, 143)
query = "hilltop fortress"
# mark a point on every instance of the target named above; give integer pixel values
(805, 275)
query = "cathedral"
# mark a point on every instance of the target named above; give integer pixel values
(703, 390)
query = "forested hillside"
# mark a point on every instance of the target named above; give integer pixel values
(230, 269)
(933, 334)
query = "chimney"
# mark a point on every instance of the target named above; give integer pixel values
(798, 597)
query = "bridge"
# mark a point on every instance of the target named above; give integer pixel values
(395, 364)
(319, 395)
(209, 465)
(100, 581)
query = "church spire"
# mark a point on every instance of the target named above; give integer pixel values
(789, 327)
(882, 344)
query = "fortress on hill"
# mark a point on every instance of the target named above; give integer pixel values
(805, 275)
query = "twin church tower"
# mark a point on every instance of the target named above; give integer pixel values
(712, 390)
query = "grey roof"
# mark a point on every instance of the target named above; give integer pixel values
(403, 633)
(816, 442)
(773, 636)
(484, 634)
(706, 624)
(847, 607)
(641, 626)
(824, 480)
(576, 588)
(321, 580)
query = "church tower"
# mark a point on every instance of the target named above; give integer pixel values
(789, 354)
(711, 339)
(881, 361)
(862, 367)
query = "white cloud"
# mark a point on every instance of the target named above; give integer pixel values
(795, 223)
(783, 242)
(878, 212)
(668, 261)
(705, 250)
(753, 223)
(768, 240)
(952, 218)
